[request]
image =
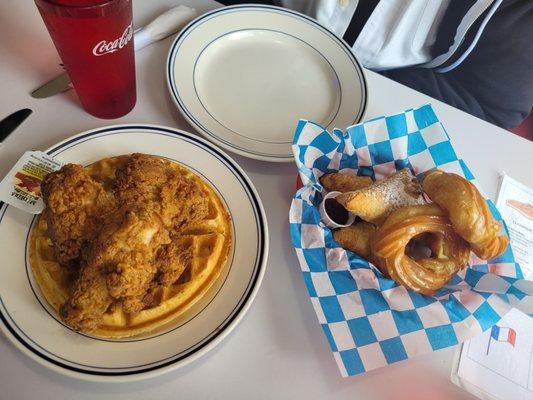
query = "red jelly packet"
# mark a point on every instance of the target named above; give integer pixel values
(21, 187)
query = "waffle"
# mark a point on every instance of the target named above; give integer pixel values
(210, 240)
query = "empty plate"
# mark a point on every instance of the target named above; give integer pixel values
(243, 76)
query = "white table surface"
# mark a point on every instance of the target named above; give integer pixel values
(279, 350)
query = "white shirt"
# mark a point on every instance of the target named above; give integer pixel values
(399, 33)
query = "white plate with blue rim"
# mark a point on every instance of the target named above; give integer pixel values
(244, 75)
(31, 325)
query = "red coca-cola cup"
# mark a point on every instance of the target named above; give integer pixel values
(94, 39)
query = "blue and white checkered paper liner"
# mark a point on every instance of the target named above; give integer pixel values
(369, 320)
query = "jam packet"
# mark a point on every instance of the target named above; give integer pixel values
(21, 187)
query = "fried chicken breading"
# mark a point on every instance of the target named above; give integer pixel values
(146, 181)
(135, 304)
(76, 206)
(88, 301)
(134, 244)
(172, 260)
(123, 253)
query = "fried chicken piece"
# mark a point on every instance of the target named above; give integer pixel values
(89, 300)
(344, 182)
(149, 182)
(120, 265)
(129, 279)
(173, 259)
(171, 262)
(140, 179)
(140, 244)
(75, 206)
(133, 304)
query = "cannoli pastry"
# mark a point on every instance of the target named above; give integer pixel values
(344, 182)
(356, 238)
(375, 203)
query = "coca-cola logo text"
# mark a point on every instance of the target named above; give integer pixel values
(105, 47)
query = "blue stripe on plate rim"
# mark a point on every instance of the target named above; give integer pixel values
(230, 9)
(23, 341)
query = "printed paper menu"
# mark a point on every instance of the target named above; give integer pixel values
(515, 203)
(499, 363)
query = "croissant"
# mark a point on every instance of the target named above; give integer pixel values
(426, 275)
(468, 212)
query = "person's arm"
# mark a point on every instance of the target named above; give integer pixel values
(495, 82)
